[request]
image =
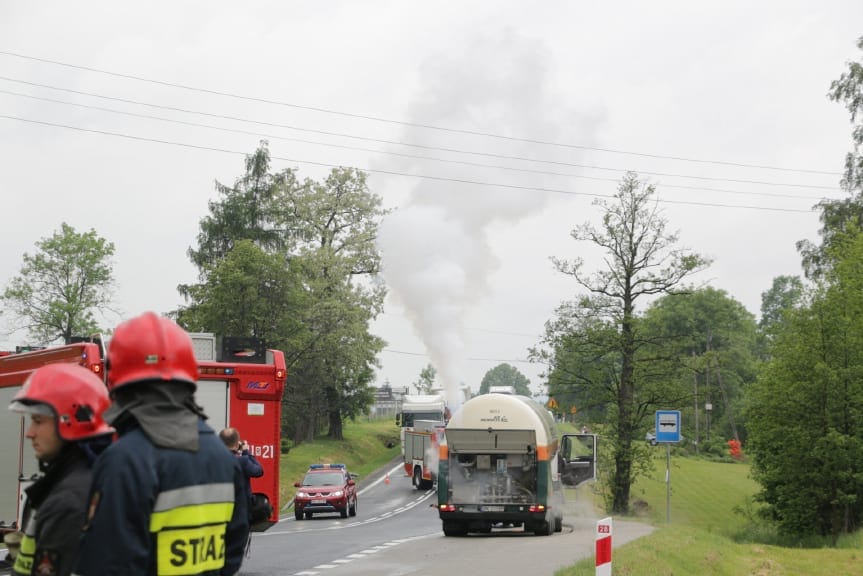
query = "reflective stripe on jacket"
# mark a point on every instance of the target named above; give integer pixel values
(24, 559)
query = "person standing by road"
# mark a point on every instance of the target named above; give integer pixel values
(166, 497)
(65, 403)
(251, 467)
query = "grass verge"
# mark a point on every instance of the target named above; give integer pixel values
(712, 530)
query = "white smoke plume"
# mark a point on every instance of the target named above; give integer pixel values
(437, 257)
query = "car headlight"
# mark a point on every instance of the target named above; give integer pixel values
(337, 494)
(301, 494)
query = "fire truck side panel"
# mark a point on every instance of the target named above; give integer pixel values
(215, 398)
(17, 458)
(248, 397)
(259, 421)
(421, 452)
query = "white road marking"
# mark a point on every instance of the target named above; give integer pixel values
(362, 554)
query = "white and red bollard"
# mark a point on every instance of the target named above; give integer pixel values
(603, 547)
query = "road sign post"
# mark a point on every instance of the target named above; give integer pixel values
(668, 432)
(668, 426)
(603, 547)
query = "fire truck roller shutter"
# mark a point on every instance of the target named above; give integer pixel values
(214, 397)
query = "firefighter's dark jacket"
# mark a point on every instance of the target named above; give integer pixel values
(165, 511)
(54, 516)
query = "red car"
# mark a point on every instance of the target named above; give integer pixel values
(326, 488)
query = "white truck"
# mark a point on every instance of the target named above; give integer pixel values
(502, 463)
(427, 407)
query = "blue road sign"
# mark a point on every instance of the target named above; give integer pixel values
(668, 425)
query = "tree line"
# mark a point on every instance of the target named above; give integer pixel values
(294, 263)
(789, 387)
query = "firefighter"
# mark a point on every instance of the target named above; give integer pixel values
(65, 403)
(167, 498)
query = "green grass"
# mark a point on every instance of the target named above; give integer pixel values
(704, 494)
(712, 530)
(363, 450)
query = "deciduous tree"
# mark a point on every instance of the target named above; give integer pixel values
(425, 382)
(62, 286)
(837, 215)
(505, 375)
(806, 410)
(642, 260)
(294, 257)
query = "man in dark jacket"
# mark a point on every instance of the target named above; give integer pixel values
(251, 467)
(166, 496)
(65, 403)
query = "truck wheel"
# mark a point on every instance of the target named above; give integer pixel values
(418, 478)
(453, 528)
(541, 528)
(298, 515)
(558, 523)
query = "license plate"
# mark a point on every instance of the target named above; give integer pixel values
(319, 501)
(492, 508)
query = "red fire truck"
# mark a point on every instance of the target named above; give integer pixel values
(240, 385)
(421, 445)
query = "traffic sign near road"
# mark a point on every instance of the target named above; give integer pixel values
(668, 425)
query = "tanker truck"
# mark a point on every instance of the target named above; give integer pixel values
(502, 464)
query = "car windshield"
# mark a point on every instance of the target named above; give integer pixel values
(333, 479)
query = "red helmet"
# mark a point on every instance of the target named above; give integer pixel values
(150, 348)
(72, 394)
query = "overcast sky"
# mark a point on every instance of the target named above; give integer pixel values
(490, 128)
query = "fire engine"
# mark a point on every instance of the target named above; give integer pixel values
(240, 384)
(421, 445)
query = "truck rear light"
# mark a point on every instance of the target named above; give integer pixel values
(447, 508)
(216, 371)
(536, 508)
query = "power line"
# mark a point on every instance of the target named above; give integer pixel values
(412, 124)
(391, 142)
(486, 330)
(394, 173)
(471, 359)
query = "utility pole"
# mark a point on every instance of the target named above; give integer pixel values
(695, 384)
(707, 405)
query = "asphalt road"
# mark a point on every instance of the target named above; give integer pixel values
(397, 532)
